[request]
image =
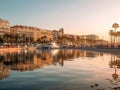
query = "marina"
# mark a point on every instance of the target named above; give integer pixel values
(59, 45)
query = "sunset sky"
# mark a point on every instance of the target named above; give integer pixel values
(78, 17)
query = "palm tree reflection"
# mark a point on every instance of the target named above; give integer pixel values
(115, 64)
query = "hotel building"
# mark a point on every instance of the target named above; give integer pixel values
(31, 32)
(4, 27)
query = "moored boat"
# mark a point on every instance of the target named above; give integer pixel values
(51, 45)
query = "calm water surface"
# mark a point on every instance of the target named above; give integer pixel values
(59, 70)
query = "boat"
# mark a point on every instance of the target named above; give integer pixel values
(38, 46)
(51, 45)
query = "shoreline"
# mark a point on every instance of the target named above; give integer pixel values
(15, 49)
(103, 50)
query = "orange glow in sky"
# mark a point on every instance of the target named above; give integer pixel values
(79, 17)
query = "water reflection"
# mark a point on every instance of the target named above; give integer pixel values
(115, 80)
(31, 60)
(4, 71)
(82, 67)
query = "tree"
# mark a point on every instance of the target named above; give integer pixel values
(44, 39)
(31, 39)
(11, 36)
(118, 35)
(6, 37)
(1, 40)
(111, 33)
(115, 26)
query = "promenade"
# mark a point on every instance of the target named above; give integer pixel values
(103, 50)
(15, 49)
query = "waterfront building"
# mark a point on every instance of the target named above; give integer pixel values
(61, 32)
(46, 35)
(29, 34)
(103, 42)
(58, 34)
(23, 33)
(83, 39)
(55, 35)
(92, 39)
(26, 33)
(69, 39)
(4, 27)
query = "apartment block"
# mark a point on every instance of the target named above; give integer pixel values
(4, 27)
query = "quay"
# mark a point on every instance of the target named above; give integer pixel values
(103, 50)
(15, 49)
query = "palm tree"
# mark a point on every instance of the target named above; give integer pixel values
(111, 33)
(16, 38)
(118, 35)
(115, 26)
(44, 39)
(6, 37)
(31, 39)
(11, 36)
(1, 40)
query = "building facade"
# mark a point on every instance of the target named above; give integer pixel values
(25, 32)
(4, 27)
(92, 40)
(58, 34)
(33, 34)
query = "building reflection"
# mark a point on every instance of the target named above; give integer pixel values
(92, 54)
(31, 60)
(4, 71)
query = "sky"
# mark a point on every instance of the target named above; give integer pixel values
(78, 17)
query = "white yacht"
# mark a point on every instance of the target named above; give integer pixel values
(38, 46)
(51, 45)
